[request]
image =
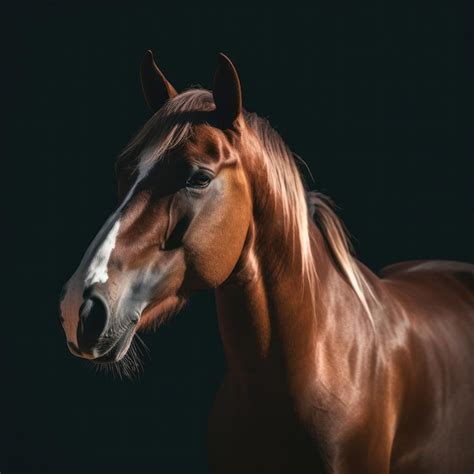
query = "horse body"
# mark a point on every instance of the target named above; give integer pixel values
(346, 399)
(330, 368)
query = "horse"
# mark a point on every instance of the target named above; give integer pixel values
(330, 367)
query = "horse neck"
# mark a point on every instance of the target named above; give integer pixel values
(271, 318)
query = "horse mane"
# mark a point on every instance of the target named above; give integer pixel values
(173, 124)
(300, 207)
(340, 247)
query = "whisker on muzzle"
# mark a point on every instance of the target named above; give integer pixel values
(130, 366)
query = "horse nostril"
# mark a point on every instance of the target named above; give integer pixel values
(93, 316)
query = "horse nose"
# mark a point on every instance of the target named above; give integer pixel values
(93, 316)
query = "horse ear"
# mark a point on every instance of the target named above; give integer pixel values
(227, 92)
(156, 89)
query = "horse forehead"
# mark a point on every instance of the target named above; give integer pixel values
(208, 142)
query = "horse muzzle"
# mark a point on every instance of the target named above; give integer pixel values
(102, 333)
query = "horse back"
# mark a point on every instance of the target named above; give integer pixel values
(433, 319)
(433, 292)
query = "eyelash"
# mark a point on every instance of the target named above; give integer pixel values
(192, 182)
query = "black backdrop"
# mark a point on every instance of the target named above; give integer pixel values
(376, 99)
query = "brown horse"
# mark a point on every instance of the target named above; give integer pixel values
(330, 367)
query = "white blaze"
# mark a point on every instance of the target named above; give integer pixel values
(94, 265)
(93, 268)
(97, 271)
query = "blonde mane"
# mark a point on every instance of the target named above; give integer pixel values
(300, 208)
(173, 124)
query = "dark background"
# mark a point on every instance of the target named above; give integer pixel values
(376, 98)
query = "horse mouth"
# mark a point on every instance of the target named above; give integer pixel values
(116, 349)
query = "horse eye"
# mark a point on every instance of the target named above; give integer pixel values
(200, 179)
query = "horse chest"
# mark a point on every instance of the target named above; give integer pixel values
(269, 436)
(254, 436)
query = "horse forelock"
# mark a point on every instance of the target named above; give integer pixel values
(171, 126)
